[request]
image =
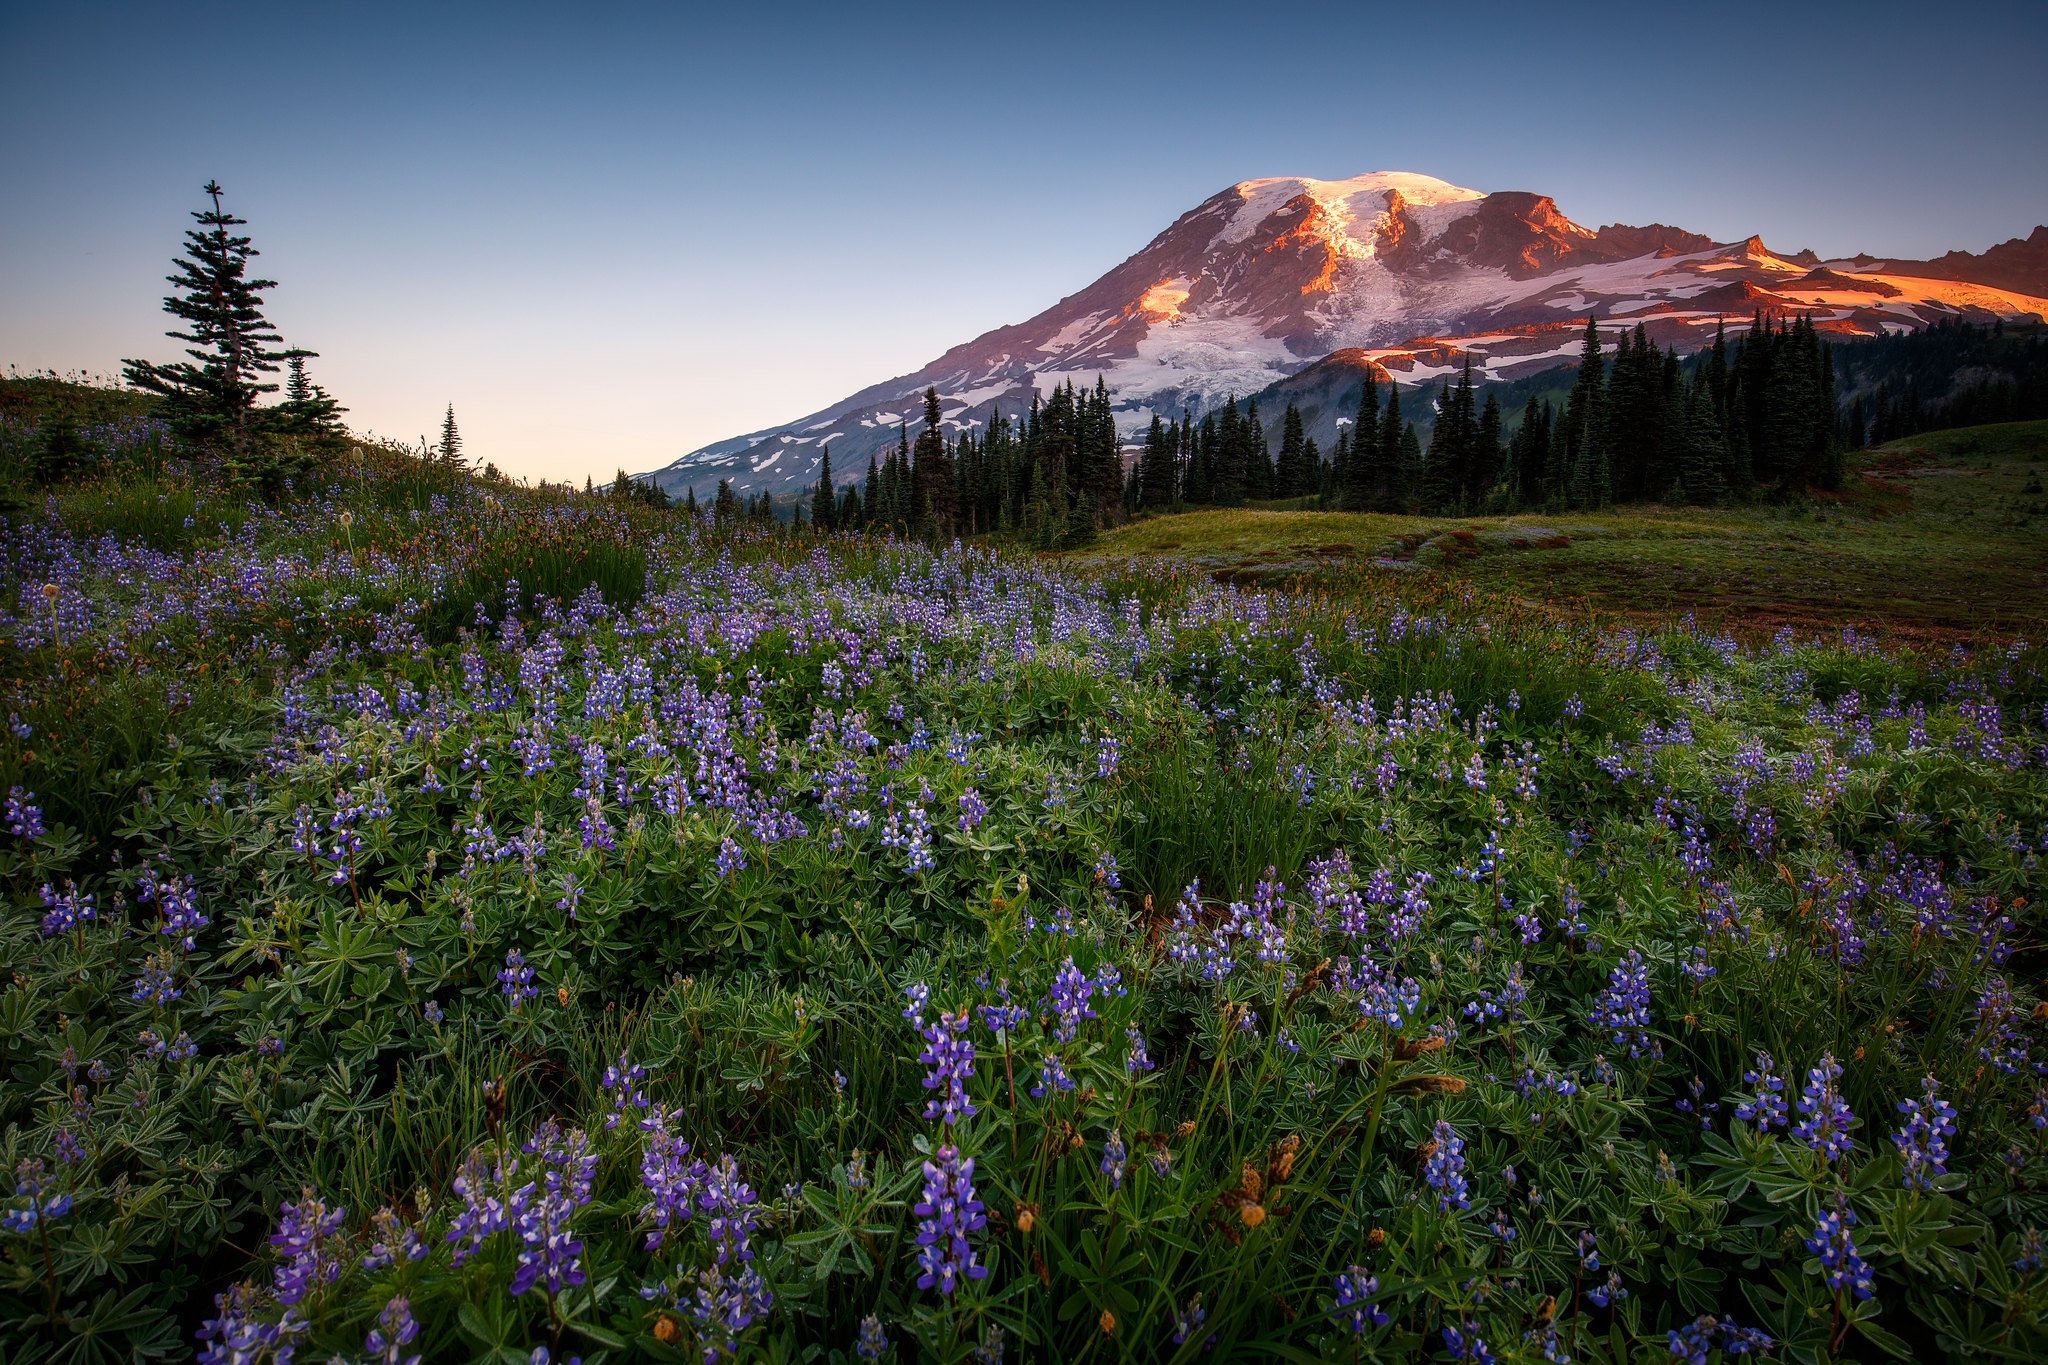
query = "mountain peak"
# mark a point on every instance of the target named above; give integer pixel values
(1403, 272)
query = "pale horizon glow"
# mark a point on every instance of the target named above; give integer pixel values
(609, 239)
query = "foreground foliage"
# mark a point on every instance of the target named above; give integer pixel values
(446, 921)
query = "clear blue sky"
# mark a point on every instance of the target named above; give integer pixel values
(611, 234)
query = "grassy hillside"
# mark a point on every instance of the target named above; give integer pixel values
(1942, 535)
(529, 925)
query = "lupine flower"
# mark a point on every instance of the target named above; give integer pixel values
(1135, 1061)
(990, 1351)
(946, 1214)
(484, 1188)
(1697, 1104)
(973, 810)
(67, 909)
(872, 1343)
(1609, 1293)
(396, 1241)
(515, 982)
(39, 1206)
(728, 1204)
(1623, 1010)
(1826, 1126)
(725, 1306)
(2030, 1251)
(1114, 1159)
(672, 1180)
(949, 1052)
(919, 995)
(622, 1082)
(302, 1231)
(1692, 1342)
(549, 1256)
(1766, 1106)
(1923, 1139)
(1004, 1018)
(1069, 1001)
(24, 818)
(1841, 1267)
(1052, 1076)
(1465, 1343)
(238, 1335)
(394, 1331)
(1445, 1171)
(158, 982)
(1355, 1291)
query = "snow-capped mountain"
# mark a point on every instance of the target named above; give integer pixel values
(1267, 277)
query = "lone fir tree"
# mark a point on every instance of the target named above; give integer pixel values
(451, 439)
(210, 399)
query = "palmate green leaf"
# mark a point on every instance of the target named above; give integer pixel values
(1864, 1318)
(117, 1327)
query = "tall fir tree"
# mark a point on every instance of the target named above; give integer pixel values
(1364, 476)
(931, 496)
(1580, 434)
(211, 397)
(1394, 490)
(1486, 455)
(1290, 473)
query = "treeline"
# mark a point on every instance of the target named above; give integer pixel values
(1952, 374)
(1752, 413)
(1053, 477)
(1643, 426)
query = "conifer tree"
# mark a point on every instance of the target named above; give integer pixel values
(1290, 475)
(307, 413)
(210, 399)
(1580, 431)
(1408, 462)
(1486, 454)
(725, 508)
(1258, 460)
(931, 493)
(451, 439)
(1364, 476)
(1393, 492)
(871, 509)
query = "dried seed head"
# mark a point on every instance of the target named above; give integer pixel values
(1376, 1239)
(1281, 1164)
(667, 1330)
(1252, 1213)
(1107, 1322)
(50, 591)
(1027, 1217)
(562, 994)
(1186, 1128)
(1250, 1181)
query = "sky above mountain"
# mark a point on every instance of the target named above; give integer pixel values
(612, 237)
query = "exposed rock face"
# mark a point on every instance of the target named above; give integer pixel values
(1264, 278)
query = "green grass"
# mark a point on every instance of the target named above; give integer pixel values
(1938, 536)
